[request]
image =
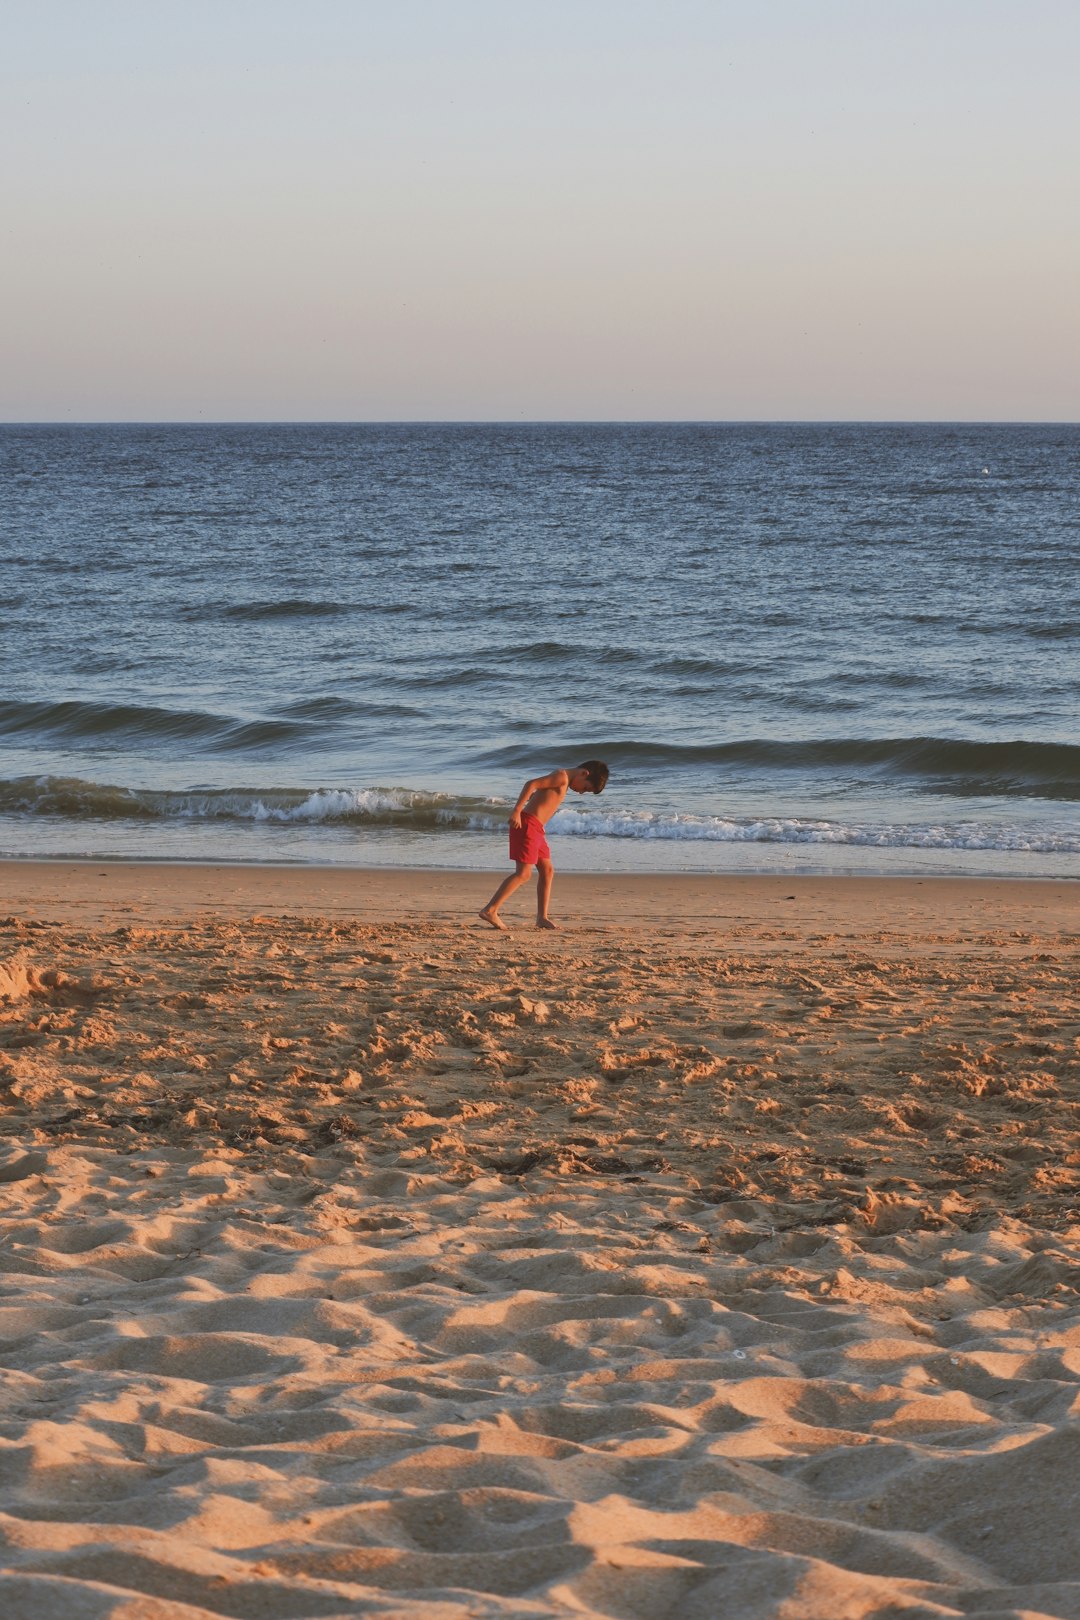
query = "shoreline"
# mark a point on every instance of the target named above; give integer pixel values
(390, 850)
(94, 890)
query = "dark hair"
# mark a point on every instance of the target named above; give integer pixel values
(597, 772)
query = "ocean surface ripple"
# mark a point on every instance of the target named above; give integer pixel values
(352, 643)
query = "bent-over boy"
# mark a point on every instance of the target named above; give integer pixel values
(536, 804)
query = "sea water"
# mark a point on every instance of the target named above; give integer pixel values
(804, 647)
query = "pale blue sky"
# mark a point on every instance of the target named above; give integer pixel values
(487, 209)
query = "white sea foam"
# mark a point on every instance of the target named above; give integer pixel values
(334, 804)
(370, 808)
(1033, 837)
(434, 811)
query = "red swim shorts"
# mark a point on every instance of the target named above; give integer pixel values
(528, 842)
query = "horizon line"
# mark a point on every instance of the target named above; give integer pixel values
(543, 421)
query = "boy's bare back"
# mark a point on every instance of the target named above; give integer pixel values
(548, 793)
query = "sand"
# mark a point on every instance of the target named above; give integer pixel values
(717, 1256)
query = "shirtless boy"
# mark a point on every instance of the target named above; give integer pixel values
(537, 803)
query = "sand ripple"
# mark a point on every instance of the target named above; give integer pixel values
(353, 1271)
(339, 1387)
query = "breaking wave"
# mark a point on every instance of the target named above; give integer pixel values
(394, 807)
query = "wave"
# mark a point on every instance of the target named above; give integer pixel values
(71, 798)
(1028, 769)
(973, 835)
(335, 708)
(77, 721)
(288, 608)
(962, 767)
(76, 799)
(254, 612)
(562, 652)
(1069, 631)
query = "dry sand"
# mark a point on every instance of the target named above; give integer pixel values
(717, 1257)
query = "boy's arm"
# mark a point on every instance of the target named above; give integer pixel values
(556, 780)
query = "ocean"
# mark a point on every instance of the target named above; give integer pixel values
(809, 648)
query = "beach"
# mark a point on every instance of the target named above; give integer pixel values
(717, 1255)
(663, 422)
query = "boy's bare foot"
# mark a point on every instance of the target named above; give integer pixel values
(493, 920)
(545, 922)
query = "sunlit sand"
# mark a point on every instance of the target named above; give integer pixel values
(717, 1256)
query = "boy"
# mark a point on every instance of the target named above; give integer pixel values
(537, 803)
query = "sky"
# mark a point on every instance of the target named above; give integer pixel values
(488, 210)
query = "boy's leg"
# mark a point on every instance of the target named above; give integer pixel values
(545, 873)
(490, 912)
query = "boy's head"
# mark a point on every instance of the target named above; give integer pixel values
(590, 777)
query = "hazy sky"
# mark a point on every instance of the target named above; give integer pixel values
(493, 209)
